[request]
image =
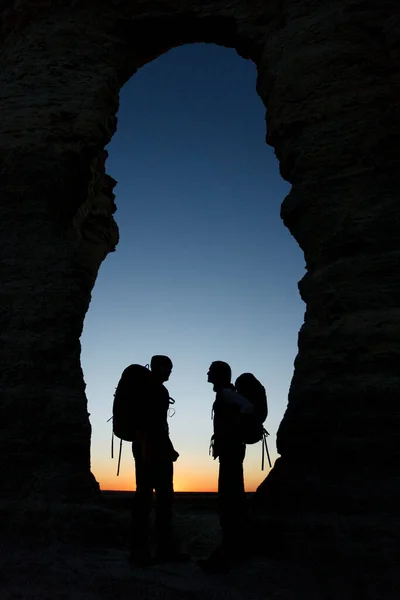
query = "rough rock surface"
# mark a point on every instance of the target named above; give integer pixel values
(329, 77)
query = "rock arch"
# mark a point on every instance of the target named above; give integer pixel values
(329, 81)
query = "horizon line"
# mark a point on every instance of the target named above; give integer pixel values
(177, 492)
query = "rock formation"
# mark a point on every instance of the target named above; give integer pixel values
(328, 75)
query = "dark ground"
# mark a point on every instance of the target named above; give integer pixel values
(98, 569)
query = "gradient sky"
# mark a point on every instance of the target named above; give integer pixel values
(205, 269)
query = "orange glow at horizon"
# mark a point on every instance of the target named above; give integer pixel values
(183, 482)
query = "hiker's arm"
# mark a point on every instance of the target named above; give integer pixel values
(234, 407)
(232, 398)
(158, 438)
(155, 445)
(170, 448)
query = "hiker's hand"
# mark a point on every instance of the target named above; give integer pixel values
(175, 455)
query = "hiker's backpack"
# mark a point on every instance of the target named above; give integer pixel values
(132, 406)
(129, 407)
(252, 425)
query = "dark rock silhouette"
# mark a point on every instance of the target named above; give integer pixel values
(328, 75)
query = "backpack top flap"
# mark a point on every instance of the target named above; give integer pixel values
(249, 386)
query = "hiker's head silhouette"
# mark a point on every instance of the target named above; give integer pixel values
(161, 366)
(219, 373)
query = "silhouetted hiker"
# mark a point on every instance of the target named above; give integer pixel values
(227, 445)
(154, 455)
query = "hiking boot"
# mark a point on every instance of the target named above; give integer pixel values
(171, 554)
(217, 562)
(141, 558)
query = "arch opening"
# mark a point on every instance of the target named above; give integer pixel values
(221, 210)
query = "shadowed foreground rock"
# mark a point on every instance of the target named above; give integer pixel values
(92, 572)
(328, 75)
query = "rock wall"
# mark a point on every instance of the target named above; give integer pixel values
(328, 75)
(335, 122)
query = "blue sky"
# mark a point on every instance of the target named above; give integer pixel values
(205, 269)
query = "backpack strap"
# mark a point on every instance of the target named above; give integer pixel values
(171, 401)
(112, 437)
(112, 447)
(265, 449)
(211, 446)
(119, 457)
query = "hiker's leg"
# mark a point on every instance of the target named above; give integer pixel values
(164, 490)
(140, 539)
(232, 498)
(167, 546)
(231, 508)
